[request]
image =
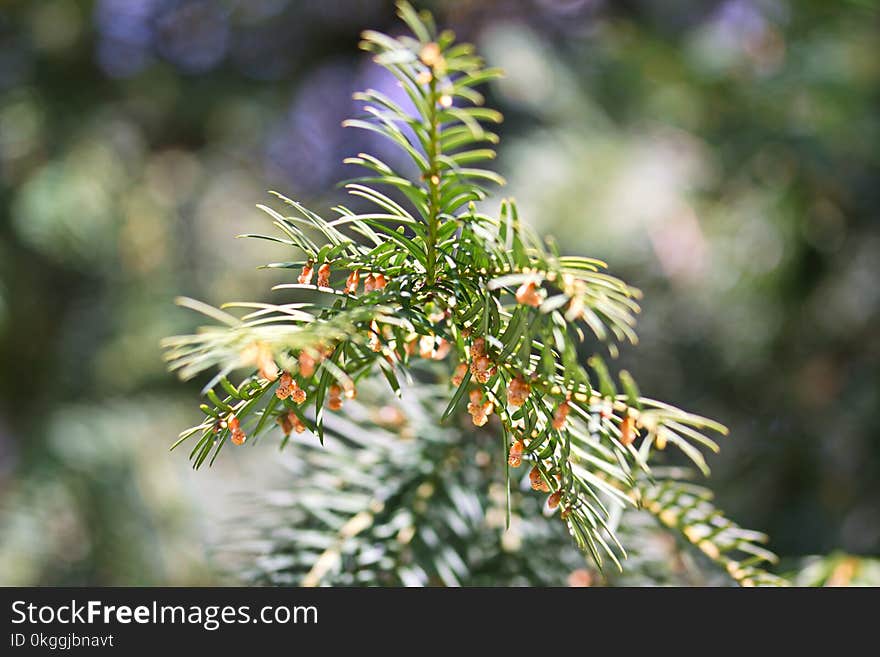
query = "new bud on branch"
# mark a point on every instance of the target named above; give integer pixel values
(450, 293)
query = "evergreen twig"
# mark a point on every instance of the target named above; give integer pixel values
(426, 275)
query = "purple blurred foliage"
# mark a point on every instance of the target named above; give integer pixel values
(125, 35)
(193, 35)
(306, 148)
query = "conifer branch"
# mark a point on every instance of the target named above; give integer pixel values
(687, 509)
(396, 499)
(424, 276)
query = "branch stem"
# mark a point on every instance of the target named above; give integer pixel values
(433, 183)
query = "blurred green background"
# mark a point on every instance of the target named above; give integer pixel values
(724, 156)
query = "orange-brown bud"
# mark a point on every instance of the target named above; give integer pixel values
(580, 578)
(627, 430)
(324, 275)
(237, 434)
(306, 276)
(260, 354)
(298, 424)
(560, 415)
(459, 374)
(514, 456)
(267, 366)
(430, 54)
(334, 397)
(285, 386)
(285, 424)
(528, 294)
(518, 391)
(535, 478)
(351, 283)
(481, 364)
(442, 349)
(306, 364)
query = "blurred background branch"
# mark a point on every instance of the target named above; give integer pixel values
(722, 155)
